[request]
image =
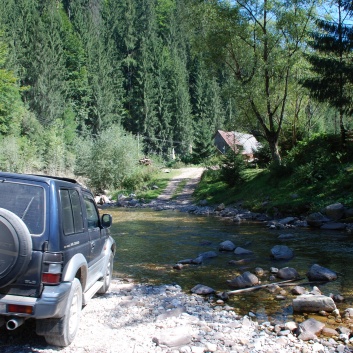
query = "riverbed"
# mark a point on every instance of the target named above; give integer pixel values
(150, 243)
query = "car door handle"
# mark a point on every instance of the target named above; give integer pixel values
(93, 245)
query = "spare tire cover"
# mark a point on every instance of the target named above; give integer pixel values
(15, 247)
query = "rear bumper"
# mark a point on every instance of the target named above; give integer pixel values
(51, 304)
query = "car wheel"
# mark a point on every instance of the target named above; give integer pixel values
(15, 247)
(61, 332)
(108, 275)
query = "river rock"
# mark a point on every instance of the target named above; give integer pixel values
(348, 313)
(241, 251)
(208, 254)
(281, 252)
(287, 273)
(309, 329)
(259, 271)
(316, 219)
(291, 325)
(319, 273)
(308, 303)
(197, 260)
(173, 337)
(286, 220)
(273, 288)
(220, 207)
(334, 226)
(239, 262)
(185, 261)
(335, 211)
(286, 236)
(202, 289)
(297, 290)
(337, 298)
(226, 245)
(329, 332)
(247, 279)
(178, 266)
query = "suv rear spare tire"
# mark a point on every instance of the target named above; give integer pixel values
(15, 247)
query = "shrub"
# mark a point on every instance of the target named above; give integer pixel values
(232, 168)
(263, 156)
(109, 160)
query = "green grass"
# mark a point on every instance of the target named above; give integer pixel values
(160, 180)
(179, 189)
(263, 191)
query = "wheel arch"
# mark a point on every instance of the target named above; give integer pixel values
(76, 268)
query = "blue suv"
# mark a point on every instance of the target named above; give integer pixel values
(56, 252)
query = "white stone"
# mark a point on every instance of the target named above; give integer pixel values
(211, 347)
(196, 349)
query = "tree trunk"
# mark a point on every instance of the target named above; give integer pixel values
(276, 157)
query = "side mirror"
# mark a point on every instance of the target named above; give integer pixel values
(106, 220)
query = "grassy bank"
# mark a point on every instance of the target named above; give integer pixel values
(314, 175)
(261, 191)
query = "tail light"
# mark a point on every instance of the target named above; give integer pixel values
(52, 268)
(21, 309)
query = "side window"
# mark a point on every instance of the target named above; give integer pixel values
(91, 211)
(71, 211)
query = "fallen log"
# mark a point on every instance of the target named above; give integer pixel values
(288, 282)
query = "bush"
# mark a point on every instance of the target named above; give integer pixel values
(232, 168)
(263, 156)
(19, 155)
(110, 160)
(315, 159)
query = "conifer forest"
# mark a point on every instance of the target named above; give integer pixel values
(87, 87)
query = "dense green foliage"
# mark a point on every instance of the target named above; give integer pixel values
(87, 87)
(315, 173)
(332, 66)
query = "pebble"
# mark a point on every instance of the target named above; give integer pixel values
(164, 319)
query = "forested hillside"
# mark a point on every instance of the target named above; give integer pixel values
(83, 82)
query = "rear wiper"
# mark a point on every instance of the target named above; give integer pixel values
(27, 208)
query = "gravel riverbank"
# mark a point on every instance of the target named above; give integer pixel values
(140, 318)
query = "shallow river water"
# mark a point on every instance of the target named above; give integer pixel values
(149, 243)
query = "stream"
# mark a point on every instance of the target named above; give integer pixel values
(150, 242)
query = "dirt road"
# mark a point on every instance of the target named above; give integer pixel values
(188, 176)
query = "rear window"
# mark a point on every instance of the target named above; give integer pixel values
(71, 211)
(27, 202)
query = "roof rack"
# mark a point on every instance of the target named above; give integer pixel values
(57, 178)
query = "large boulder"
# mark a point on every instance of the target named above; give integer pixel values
(308, 303)
(309, 329)
(319, 273)
(287, 273)
(335, 211)
(247, 279)
(281, 252)
(226, 245)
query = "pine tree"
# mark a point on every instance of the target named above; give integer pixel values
(332, 65)
(10, 99)
(104, 99)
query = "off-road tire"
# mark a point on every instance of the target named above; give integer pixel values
(61, 332)
(108, 275)
(15, 247)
